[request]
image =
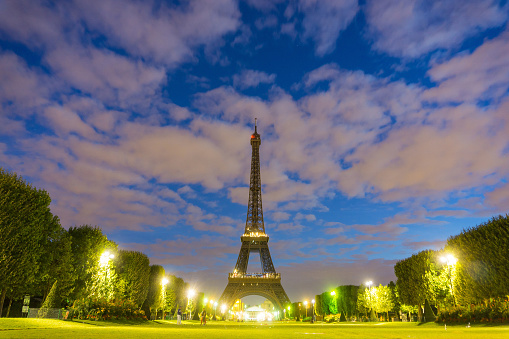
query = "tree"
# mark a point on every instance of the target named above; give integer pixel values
(25, 224)
(154, 300)
(383, 297)
(363, 300)
(394, 296)
(347, 299)
(87, 245)
(175, 293)
(324, 304)
(133, 271)
(57, 266)
(481, 271)
(318, 305)
(414, 283)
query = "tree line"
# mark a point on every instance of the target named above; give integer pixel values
(63, 267)
(468, 280)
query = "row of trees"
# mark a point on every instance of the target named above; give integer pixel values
(40, 258)
(350, 301)
(471, 270)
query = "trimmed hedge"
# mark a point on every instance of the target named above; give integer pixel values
(101, 309)
(492, 311)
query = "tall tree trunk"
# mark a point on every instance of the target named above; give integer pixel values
(9, 308)
(2, 298)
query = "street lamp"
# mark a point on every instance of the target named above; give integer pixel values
(306, 306)
(313, 311)
(104, 287)
(164, 281)
(105, 258)
(223, 309)
(190, 295)
(369, 283)
(450, 261)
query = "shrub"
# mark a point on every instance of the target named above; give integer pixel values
(101, 309)
(492, 310)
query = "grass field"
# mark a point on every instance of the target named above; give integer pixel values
(45, 328)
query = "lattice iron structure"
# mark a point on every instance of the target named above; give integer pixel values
(254, 240)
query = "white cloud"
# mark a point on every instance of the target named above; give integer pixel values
(411, 28)
(324, 20)
(22, 86)
(172, 33)
(251, 78)
(480, 75)
(104, 74)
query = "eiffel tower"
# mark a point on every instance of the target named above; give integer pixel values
(254, 240)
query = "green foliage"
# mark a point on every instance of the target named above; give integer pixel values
(87, 245)
(333, 303)
(318, 305)
(133, 271)
(394, 296)
(492, 311)
(346, 299)
(325, 301)
(53, 298)
(175, 294)
(384, 300)
(102, 309)
(154, 300)
(57, 265)
(26, 226)
(417, 278)
(363, 300)
(103, 281)
(482, 271)
(332, 318)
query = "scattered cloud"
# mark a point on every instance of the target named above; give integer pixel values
(412, 28)
(324, 21)
(251, 78)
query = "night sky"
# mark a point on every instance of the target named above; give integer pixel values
(384, 127)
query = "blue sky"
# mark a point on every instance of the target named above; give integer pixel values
(384, 126)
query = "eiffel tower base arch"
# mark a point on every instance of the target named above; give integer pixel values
(267, 286)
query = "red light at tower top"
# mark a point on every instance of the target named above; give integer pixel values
(252, 136)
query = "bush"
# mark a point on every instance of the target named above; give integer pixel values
(492, 310)
(101, 309)
(331, 318)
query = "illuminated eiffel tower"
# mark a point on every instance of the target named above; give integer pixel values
(254, 240)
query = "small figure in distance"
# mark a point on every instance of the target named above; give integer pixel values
(179, 316)
(203, 318)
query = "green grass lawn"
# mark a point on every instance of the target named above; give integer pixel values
(45, 328)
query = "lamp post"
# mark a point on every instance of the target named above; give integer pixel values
(450, 261)
(190, 295)
(306, 306)
(164, 281)
(104, 289)
(223, 309)
(369, 283)
(312, 311)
